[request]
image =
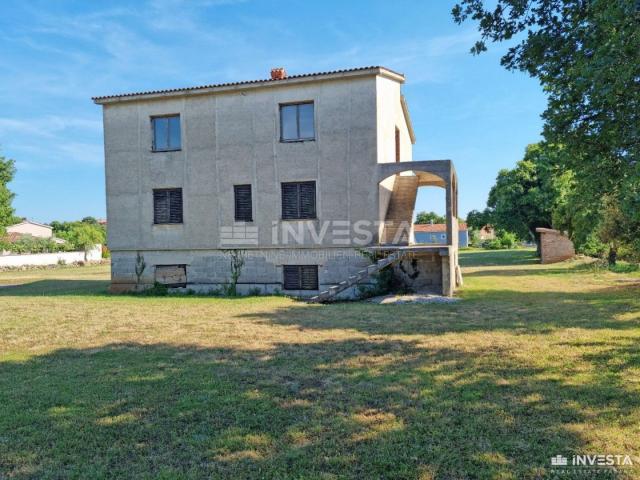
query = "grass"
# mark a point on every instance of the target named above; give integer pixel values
(535, 361)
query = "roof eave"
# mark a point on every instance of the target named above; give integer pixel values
(407, 119)
(250, 85)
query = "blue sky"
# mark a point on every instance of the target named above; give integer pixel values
(56, 55)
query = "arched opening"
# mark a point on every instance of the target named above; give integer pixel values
(432, 266)
(398, 199)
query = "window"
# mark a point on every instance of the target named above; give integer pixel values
(242, 197)
(296, 122)
(300, 277)
(166, 133)
(171, 275)
(397, 144)
(298, 200)
(167, 205)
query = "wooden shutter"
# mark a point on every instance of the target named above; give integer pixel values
(160, 206)
(307, 199)
(290, 201)
(291, 274)
(243, 208)
(298, 200)
(308, 277)
(167, 205)
(175, 206)
(300, 277)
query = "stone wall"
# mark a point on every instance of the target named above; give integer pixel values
(210, 269)
(43, 259)
(421, 272)
(555, 247)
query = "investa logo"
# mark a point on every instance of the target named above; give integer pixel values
(599, 460)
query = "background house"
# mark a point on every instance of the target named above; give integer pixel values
(486, 233)
(27, 227)
(436, 234)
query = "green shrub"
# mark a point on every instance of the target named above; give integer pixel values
(507, 239)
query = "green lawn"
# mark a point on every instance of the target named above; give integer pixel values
(535, 361)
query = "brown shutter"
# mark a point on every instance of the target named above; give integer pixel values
(242, 198)
(309, 277)
(291, 274)
(167, 205)
(300, 277)
(307, 200)
(160, 206)
(175, 206)
(290, 201)
(298, 200)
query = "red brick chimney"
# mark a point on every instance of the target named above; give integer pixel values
(278, 73)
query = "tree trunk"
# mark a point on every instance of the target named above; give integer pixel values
(536, 238)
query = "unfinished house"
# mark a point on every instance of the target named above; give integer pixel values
(308, 179)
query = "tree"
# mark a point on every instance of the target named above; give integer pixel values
(525, 197)
(476, 219)
(429, 217)
(586, 55)
(7, 172)
(89, 220)
(80, 235)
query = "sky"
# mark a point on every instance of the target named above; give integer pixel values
(54, 56)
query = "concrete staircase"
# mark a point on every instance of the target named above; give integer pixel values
(372, 269)
(400, 211)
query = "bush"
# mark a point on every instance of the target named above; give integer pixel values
(507, 239)
(593, 247)
(494, 244)
(30, 244)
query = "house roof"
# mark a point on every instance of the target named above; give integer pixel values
(305, 77)
(29, 222)
(435, 227)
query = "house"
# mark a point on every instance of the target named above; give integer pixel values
(486, 233)
(555, 246)
(298, 175)
(27, 227)
(436, 233)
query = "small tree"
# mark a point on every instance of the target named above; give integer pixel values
(86, 236)
(237, 262)
(140, 267)
(7, 171)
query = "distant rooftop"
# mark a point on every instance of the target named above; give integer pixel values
(435, 227)
(305, 77)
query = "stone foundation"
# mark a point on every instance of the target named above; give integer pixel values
(208, 270)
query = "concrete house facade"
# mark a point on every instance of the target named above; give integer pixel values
(299, 174)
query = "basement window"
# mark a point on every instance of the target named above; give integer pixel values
(296, 122)
(166, 133)
(171, 275)
(300, 277)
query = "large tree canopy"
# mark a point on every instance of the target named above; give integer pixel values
(525, 197)
(586, 54)
(7, 171)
